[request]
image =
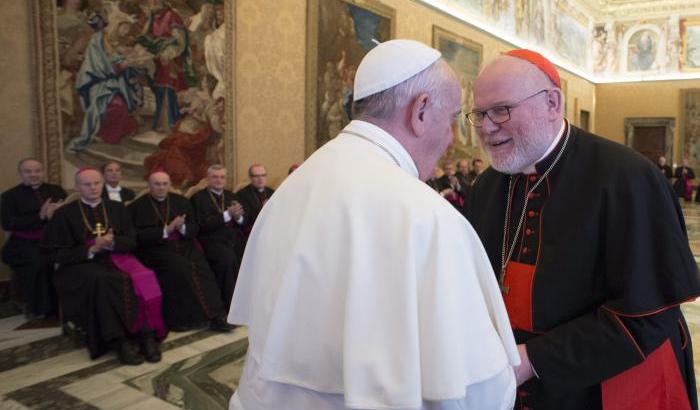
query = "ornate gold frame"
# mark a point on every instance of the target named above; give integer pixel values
(47, 118)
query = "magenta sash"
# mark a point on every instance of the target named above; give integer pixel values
(688, 189)
(147, 290)
(176, 236)
(29, 235)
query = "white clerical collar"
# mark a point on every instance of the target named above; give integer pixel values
(215, 192)
(376, 135)
(160, 199)
(113, 189)
(260, 189)
(91, 204)
(555, 142)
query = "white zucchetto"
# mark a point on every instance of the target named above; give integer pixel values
(391, 63)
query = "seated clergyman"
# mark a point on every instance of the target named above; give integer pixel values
(166, 232)
(103, 289)
(220, 217)
(26, 209)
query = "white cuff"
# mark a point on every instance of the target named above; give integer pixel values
(227, 216)
(165, 232)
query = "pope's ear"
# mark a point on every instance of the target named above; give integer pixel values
(418, 113)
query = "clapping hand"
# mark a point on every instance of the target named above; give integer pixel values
(51, 208)
(236, 210)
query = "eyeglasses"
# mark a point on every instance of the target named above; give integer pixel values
(258, 175)
(498, 114)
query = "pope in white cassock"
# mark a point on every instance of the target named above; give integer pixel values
(361, 287)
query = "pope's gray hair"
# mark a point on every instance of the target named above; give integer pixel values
(383, 104)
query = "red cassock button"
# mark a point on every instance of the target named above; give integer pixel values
(525, 250)
(533, 178)
(530, 195)
(531, 214)
(528, 231)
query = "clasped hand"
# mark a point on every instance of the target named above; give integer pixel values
(105, 241)
(176, 223)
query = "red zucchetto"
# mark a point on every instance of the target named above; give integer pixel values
(539, 61)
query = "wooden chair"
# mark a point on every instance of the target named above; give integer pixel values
(196, 188)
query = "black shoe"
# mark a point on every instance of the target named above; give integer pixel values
(128, 353)
(149, 347)
(218, 324)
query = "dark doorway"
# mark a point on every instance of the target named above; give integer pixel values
(585, 120)
(651, 137)
(650, 141)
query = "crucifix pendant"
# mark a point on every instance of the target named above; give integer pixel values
(99, 229)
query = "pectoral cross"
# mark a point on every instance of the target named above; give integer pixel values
(99, 229)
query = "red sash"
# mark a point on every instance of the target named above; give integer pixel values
(656, 384)
(518, 295)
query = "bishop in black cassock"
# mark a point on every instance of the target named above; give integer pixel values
(590, 247)
(254, 196)
(683, 185)
(26, 209)
(220, 216)
(167, 230)
(102, 288)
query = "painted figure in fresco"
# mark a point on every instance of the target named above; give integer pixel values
(108, 86)
(165, 36)
(74, 33)
(355, 32)
(598, 49)
(610, 50)
(215, 53)
(643, 52)
(183, 154)
(200, 26)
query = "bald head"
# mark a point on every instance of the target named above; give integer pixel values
(518, 112)
(31, 171)
(89, 184)
(159, 185)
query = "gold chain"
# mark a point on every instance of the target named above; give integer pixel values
(509, 203)
(163, 219)
(94, 230)
(219, 207)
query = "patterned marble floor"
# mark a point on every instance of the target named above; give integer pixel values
(40, 369)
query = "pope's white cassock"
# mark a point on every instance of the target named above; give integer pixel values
(363, 288)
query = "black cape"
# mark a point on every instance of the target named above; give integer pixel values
(94, 295)
(607, 239)
(191, 296)
(32, 272)
(126, 194)
(252, 201)
(223, 243)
